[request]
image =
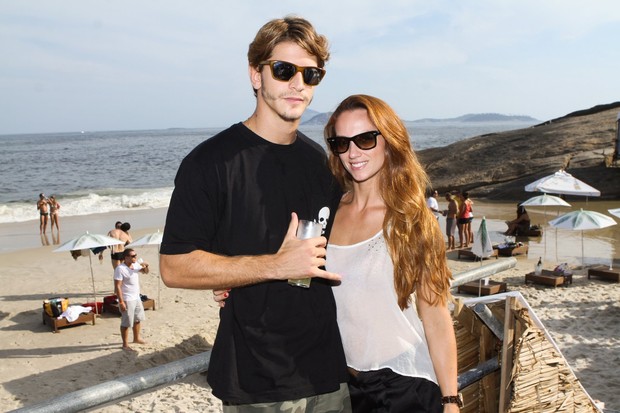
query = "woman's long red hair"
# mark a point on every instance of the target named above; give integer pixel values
(412, 233)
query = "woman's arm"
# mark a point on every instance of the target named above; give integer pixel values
(439, 331)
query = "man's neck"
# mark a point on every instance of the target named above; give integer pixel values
(275, 130)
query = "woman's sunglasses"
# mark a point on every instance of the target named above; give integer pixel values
(364, 141)
(284, 71)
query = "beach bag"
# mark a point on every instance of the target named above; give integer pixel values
(54, 307)
(563, 269)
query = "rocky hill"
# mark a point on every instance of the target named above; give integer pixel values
(499, 165)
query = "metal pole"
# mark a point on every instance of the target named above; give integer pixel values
(483, 271)
(123, 386)
(477, 373)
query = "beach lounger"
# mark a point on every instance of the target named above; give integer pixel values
(467, 253)
(480, 288)
(549, 278)
(56, 323)
(605, 273)
(512, 251)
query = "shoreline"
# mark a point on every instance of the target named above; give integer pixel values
(22, 235)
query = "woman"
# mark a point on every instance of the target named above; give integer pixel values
(54, 207)
(519, 225)
(466, 215)
(389, 250)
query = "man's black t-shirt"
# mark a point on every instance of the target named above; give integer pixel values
(234, 195)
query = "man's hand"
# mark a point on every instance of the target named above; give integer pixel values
(298, 258)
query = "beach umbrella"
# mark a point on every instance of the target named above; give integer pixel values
(580, 221)
(88, 241)
(483, 247)
(153, 238)
(562, 183)
(615, 212)
(149, 239)
(544, 201)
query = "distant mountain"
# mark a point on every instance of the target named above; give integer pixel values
(482, 117)
(317, 119)
(312, 117)
(308, 115)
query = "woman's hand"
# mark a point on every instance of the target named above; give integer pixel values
(220, 296)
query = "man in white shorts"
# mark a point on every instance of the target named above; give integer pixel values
(127, 289)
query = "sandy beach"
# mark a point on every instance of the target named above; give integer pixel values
(38, 364)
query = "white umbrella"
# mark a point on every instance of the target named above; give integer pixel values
(582, 220)
(615, 212)
(86, 242)
(545, 200)
(153, 238)
(149, 239)
(563, 183)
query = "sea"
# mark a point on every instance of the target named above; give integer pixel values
(109, 171)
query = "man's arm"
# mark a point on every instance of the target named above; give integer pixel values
(204, 270)
(117, 290)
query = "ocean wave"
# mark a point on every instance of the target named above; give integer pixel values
(107, 200)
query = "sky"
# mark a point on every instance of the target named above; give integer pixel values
(78, 65)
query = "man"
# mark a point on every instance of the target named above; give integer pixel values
(127, 289)
(120, 232)
(231, 224)
(43, 208)
(450, 215)
(432, 203)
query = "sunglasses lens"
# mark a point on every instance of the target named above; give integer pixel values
(367, 140)
(339, 145)
(283, 70)
(312, 76)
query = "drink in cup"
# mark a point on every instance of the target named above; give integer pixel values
(305, 230)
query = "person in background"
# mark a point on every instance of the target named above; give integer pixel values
(54, 208)
(43, 208)
(127, 289)
(386, 245)
(465, 217)
(450, 215)
(231, 225)
(121, 233)
(432, 203)
(519, 225)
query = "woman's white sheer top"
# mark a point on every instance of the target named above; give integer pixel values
(375, 332)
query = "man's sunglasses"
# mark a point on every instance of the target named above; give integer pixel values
(364, 141)
(284, 71)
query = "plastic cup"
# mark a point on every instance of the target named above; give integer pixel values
(305, 230)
